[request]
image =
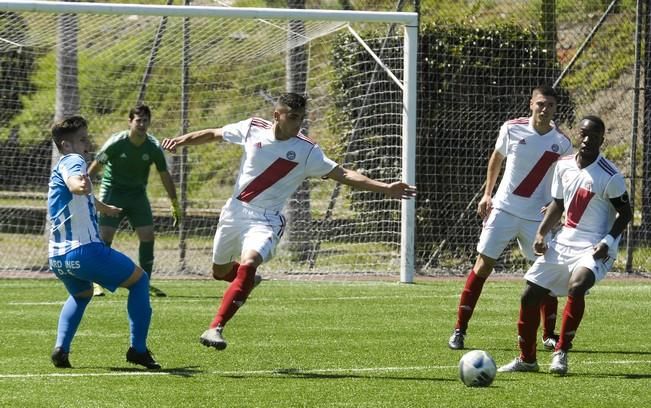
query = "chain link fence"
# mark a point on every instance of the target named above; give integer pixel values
(592, 47)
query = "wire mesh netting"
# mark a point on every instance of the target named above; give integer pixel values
(478, 62)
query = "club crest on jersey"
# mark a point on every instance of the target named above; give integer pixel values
(291, 155)
(522, 141)
(555, 148)
(145, 157)
(258, 145)
(123, 156)
(588, 186)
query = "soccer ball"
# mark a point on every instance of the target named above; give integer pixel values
(477, 369)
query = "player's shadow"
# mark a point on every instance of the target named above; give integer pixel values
(577, 351)
(301, 374)
(205, 297)
(623, 352)
(177, 371)
(625, 376)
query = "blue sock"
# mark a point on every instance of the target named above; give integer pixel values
(69, 319)
(139, 311)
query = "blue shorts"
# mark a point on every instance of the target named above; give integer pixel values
(94, 262)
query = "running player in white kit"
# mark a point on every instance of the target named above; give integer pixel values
(592, 193)
(277, 158)
(531, 147)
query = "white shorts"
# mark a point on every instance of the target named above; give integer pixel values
(553, 270)
(243, 227)
(500, 228)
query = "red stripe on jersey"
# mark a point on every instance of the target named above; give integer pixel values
(305, 138)
(577, 207)
(518, 121)
(535, 176)
(278, 169)
(257, 122)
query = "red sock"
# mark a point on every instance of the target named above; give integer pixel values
(548, 309)
(468, 299)
(230, 276)
(527, 329)
(235, 295)
(572, 316)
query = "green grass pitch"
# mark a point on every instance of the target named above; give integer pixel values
(319, 344)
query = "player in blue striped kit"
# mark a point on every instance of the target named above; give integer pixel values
(77, 255)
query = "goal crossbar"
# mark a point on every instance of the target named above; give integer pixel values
(406, 18)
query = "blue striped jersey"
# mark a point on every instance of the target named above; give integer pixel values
(73, 218)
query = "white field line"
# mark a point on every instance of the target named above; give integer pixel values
(283, 372)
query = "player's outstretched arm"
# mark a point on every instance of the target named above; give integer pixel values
(354, 179)
(106, 209)
(94, 168)
(193, 138)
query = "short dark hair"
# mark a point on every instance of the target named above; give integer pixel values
(545, 90)
(601, 127)
(140, 110)
(63, 129)
(293, 100)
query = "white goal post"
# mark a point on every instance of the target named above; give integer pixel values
(41, 38)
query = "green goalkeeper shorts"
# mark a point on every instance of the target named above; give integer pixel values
(135, 207)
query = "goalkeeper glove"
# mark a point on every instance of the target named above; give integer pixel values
(176, 212)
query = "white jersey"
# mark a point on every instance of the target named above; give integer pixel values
(589, 214)
(73, 217)
(530, 158)
(271, 170)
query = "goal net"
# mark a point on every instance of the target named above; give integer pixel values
(203, 67)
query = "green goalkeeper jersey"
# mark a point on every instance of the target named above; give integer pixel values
(126, 166)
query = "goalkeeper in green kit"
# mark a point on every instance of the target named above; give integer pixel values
(126, 158)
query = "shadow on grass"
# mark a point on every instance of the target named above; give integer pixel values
(179, 371)
(626, 376)
(214, 296)
(622, 352)
(573, 351)
(297, 373)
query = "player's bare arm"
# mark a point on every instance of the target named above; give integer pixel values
(193, 138)
(494, 166)
(168, 183)
(79, 185)
(553, 214)
(94, 168)
(354, 179)
(107, 209)
(624, 216)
